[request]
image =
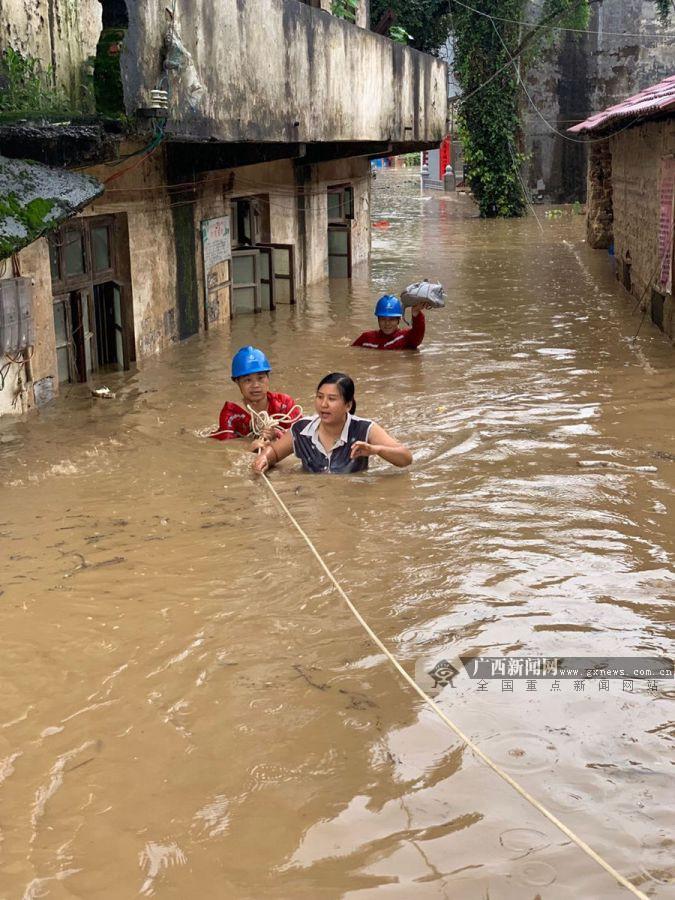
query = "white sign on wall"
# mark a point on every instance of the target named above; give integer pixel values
(216, 242)
(217, 250)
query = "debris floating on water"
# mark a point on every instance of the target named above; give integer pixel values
(103, 393)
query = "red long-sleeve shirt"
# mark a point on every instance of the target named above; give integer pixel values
(401, 339)
(235, 422)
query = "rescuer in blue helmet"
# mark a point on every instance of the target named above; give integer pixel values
(251, 373)
(389, 336)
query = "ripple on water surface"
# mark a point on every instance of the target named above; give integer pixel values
(181, 682)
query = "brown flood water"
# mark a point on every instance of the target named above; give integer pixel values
(188, 709)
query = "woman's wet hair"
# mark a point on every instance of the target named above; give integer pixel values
(344, 384)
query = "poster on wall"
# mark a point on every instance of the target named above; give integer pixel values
(217, 252)
(667, 195)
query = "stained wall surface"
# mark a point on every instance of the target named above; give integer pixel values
(636, 187)
(62, 34)
(279, 70)
(625, 51)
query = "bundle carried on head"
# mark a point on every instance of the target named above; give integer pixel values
(424, 292)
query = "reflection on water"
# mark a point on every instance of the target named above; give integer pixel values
(187, 708)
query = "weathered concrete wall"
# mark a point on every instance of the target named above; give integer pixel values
(62, 34)
(582, 74)
(636, 175)
(142, 194)
(33, 264)
(278, 70)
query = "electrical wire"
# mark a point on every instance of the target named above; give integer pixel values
(524, 189)
(479, 12)
(141, 154)
(519, 78)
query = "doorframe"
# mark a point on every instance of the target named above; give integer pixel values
(118, 272)
(337, 227)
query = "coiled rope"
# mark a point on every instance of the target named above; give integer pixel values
(259, 422)
(262, 420)
(589, 851)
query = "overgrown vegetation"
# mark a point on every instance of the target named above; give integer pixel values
(493, 49)
(27, 89)
(663, 9)
(425, 23)
(492, 52)
(107, 81)
(345, 9)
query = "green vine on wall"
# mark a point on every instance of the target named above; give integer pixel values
(491, 57)
(489, 123)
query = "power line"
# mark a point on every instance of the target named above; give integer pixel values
(664, 34)
(524, 189)
(519, 77)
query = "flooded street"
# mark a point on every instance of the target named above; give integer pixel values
(189, 710)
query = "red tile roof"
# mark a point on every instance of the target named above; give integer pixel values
(648, 103)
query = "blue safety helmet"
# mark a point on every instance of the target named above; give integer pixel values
(388, 307)
(249, 360)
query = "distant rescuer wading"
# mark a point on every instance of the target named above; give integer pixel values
(334, 441)
(389, 336)
(251, 374)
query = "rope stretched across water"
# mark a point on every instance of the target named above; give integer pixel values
(589, 851)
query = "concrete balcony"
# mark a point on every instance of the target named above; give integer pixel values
(279, 71)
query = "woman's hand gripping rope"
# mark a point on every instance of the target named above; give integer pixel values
(266, 427)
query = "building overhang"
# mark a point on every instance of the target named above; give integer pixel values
(197, 157)
(61, 144)
(35, 200)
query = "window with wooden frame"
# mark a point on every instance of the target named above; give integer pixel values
(92, 301)
(340, 203)
(82, 253)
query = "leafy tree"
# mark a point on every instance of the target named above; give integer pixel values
(492, 52)
(427, 21)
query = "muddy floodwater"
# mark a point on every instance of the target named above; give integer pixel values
(187, 707)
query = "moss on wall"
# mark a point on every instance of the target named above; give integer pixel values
(108, 89)
(27, 221)
(35, 200)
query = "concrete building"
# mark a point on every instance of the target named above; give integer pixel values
(229, 145)
(631, 194)
(625, 49)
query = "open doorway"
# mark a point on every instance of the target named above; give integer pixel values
(109, 330)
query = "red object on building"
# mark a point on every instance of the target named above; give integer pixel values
(446, 155)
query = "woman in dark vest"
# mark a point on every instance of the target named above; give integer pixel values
(334, 441)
